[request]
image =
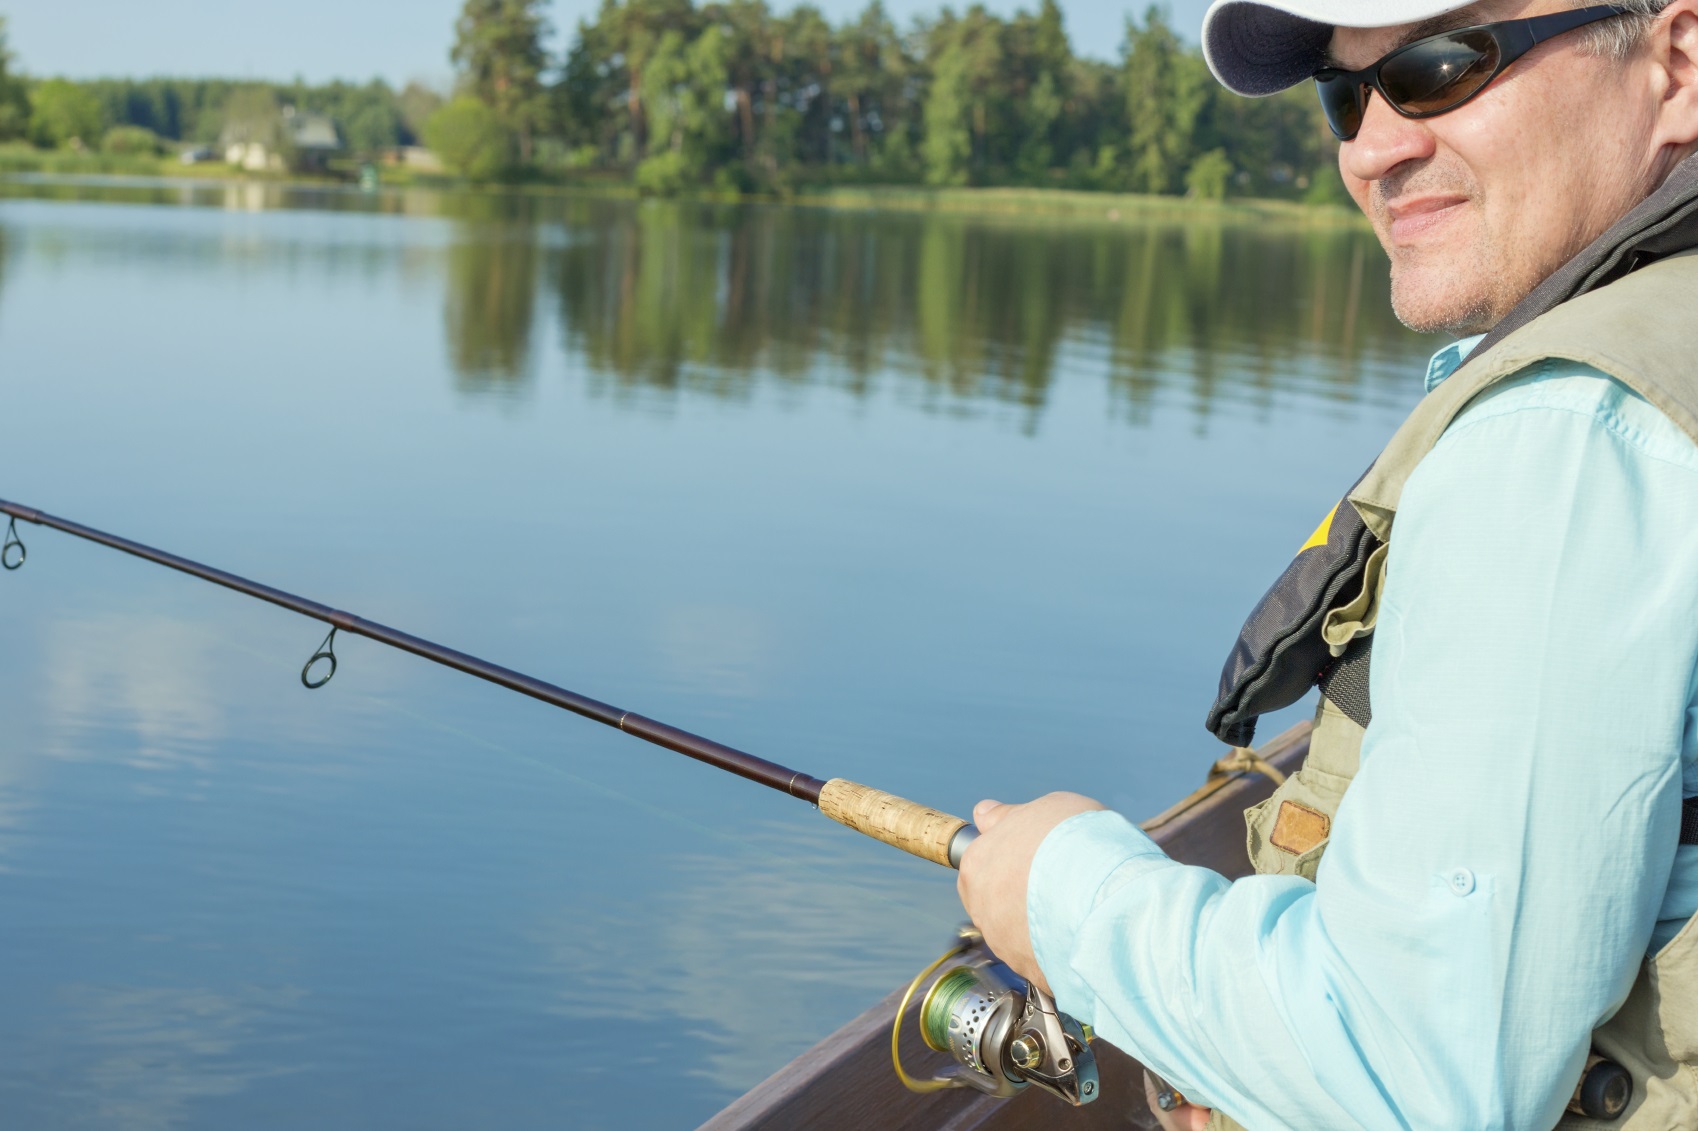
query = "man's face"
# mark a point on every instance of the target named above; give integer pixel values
(1477, 206)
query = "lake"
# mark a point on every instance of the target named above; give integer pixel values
(951, 506)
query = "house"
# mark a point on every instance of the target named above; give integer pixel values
(299, 139)
(253, 156)
(313, 137)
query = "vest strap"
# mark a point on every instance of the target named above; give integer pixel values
(1689, 821)
(1345, 682)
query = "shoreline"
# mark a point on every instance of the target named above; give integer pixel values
(1004, 203)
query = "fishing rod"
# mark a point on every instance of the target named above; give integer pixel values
(912, 827)
(1002, 1036)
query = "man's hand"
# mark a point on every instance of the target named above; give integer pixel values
(993, 890)
(994, 868)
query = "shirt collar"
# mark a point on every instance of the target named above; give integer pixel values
(1449, 360)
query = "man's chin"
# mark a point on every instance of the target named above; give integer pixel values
(1428, 307)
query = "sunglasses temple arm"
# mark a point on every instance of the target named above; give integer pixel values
(1555, 26)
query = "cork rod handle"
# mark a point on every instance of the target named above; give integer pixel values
(908, 825)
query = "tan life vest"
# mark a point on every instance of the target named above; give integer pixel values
(1638, 330)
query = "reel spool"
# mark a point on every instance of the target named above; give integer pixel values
(1002, 1032)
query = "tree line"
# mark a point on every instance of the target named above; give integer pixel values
(735, 96)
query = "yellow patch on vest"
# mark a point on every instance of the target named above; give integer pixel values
(1319, 537)
(1299, 828)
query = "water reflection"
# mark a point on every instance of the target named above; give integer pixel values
(673, 298)
(661, 299)
(151, 1057)
(758, 959)
(149, 676)
(491, 299)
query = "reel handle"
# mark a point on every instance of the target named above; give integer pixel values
(916, 829)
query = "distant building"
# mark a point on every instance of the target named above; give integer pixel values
(253, 156)
(299, 139)
(312, 136)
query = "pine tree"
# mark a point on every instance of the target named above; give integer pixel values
(14, 102)
(499, 51)
(1167, 88)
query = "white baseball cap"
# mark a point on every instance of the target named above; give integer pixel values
(1256, 47)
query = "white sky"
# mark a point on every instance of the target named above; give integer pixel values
(357, 39)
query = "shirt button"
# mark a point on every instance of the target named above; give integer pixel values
(1461, 881)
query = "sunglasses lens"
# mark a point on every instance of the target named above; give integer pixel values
(1341, 102)
(1440, 73)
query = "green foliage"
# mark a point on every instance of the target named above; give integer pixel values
(252, 114)
(948, 145)
(683, 88)
(1326, 186)
(187, 110)
(470, 138)
(415, 104)
(871, 72)
(64, 113)
(967, 95)
(734, 95)
(1167, 89)
(130, 141)
(14, 99)
(749, 96)
(498, 49)
(1273, 142)
(371, 127)
(1207, 176)
(664, 174)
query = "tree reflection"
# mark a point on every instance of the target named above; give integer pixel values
(951, 312)
(491, 300)
(673, 297)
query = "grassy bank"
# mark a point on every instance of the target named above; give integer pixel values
(1071, 203)
(18, 157)
(1006, 203)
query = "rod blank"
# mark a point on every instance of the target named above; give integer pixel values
(908, 825)
(770, 774)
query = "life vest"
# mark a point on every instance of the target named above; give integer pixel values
(1625, 305)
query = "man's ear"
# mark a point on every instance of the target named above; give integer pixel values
(1674, 50)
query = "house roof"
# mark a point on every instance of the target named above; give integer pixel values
(310, 131)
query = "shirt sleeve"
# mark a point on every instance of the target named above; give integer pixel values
(1497, 867)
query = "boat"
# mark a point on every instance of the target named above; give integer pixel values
(846, 1082)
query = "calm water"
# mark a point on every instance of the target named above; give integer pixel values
(952, 507)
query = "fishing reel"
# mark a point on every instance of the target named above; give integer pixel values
(1002, 1032)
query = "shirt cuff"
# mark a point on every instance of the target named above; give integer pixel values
(1072, 870)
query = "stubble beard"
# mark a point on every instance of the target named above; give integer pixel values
(1468, 282)
(1457, 301)
(1452, 288)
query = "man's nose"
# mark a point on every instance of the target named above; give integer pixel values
(1385, 141)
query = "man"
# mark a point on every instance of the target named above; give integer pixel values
(1467, 903)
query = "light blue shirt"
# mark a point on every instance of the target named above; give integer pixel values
(1507, 854)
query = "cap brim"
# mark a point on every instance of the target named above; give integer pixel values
(1255, 47)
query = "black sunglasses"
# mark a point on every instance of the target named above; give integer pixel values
(1441, 72)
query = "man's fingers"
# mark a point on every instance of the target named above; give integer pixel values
(987, 813)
